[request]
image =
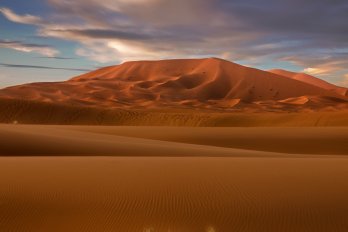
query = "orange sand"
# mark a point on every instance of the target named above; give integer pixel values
(192, 83)
(172, 179)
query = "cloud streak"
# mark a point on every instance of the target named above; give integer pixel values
(57, 58)
(41, 67)
(99, 34)
(29, 47)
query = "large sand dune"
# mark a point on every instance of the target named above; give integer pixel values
(172, 179)
(196, 83)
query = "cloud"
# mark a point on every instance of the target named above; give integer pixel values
(24, 19)
(28, 47)
(97, 34)
(311, 34)
(344, 81)
(118, 30)
(329, 66)
(314, 71)
(2, 76)
(41, 67)
(57, 58)
(214, 27)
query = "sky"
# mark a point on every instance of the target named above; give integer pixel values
(54, 40)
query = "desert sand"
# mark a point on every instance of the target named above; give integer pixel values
(84, 178)
(38, 140)
(186, 92)
(29, 112)
(200, 145)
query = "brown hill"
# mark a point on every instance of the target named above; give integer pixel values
(311, 80)
(196, 83)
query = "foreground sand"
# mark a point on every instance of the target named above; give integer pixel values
(35, 140)
(172, 179)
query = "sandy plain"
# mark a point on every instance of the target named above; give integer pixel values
(84, 178)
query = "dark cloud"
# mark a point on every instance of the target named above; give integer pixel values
(294, 19)
(236, 26)
(41, 67)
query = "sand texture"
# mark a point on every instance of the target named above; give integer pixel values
(147, 179)
(29, 112)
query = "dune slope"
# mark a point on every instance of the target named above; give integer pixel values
(27, 140)
(311, 80)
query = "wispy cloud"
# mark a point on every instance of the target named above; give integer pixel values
(41, 67)
(344, 81)
(57, 57)
(24, 19)
(100, 34)
(29, 47)
(329, 66)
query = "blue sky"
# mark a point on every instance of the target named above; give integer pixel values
(53, 40)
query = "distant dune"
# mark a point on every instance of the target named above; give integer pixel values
(311, 80)
(188, 92)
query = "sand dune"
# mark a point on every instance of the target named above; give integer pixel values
(311, 80)
(27, 140)
(300, 140)
(62, 141)
(192, 182)
(196, 83)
